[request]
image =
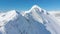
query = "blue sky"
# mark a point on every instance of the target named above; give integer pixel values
(6, 5)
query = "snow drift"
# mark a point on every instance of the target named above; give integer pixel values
(34, 21)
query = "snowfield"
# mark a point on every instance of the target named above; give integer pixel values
(34, 21)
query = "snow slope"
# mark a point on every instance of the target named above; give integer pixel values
(45, 18)
(20, 25)
(34, 21)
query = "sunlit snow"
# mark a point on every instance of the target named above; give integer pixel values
(34, 21)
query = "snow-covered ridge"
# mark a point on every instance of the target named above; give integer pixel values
(44, 17)
(5, 17)
(36, 8)
(8, 15)
(34, 21)
(35, 12)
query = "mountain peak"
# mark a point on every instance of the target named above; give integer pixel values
(36, 7)
(14, 12)
(10, 15)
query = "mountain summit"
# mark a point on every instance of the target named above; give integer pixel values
(36, 7)
(34, 21)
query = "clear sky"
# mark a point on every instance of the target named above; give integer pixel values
(6, 5)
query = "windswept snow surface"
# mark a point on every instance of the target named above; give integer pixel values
(34, 21)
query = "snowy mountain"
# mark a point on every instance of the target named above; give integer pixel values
(34, 21)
